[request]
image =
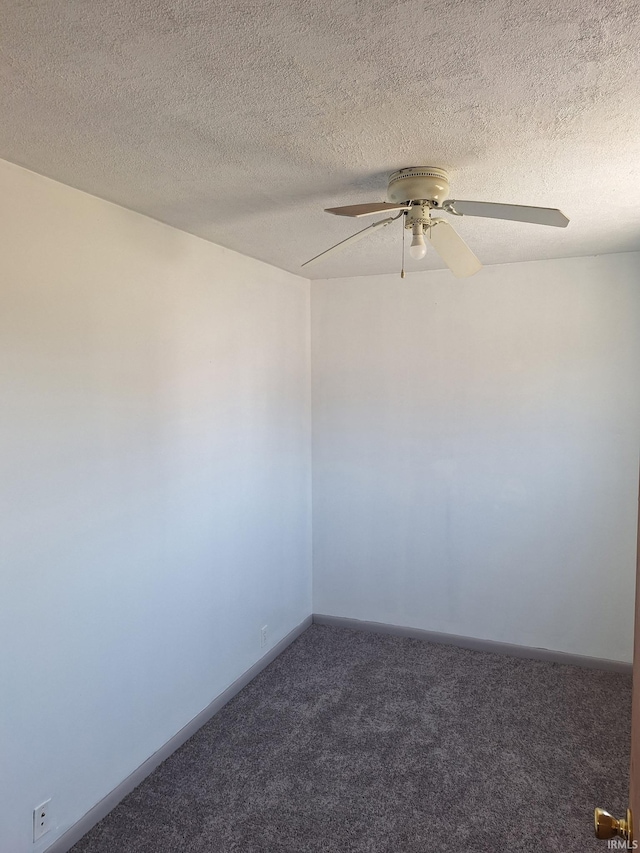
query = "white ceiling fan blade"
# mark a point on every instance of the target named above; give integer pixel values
(514, 212)
(366, 209)
(353, 239)
(452, 249)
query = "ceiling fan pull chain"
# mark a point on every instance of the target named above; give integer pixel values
(402, 272)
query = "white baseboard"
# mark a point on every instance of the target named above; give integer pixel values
(102, 809)
(475, 644)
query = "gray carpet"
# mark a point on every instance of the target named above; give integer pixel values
(361, 742)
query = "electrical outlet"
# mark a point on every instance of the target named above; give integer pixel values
(41, 819)
(263, 636)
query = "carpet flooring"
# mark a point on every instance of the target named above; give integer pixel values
(368, 743)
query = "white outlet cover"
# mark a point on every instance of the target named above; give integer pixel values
(41, 819)
(263, 635)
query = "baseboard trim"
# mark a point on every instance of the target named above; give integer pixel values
(102, 809)
(475, 644)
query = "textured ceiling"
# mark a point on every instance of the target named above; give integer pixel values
(240, 121)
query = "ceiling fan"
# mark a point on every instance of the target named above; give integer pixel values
(416, 192)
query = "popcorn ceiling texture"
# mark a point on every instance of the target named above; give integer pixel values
(240, 121)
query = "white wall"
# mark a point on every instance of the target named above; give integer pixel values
(155, 487)
(475, 471)
(475, 451)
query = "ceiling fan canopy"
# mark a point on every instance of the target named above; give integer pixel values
(414, 193)
(421, 182)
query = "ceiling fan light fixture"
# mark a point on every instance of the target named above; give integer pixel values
(414, 192)
(418, 248)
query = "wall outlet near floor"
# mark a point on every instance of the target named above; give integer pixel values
(41, 819)
(263, 636)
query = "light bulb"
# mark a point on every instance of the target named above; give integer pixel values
(418, 248)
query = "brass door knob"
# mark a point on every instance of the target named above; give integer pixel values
(607, 826)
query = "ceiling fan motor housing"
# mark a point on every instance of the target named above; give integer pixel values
(419, 183)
